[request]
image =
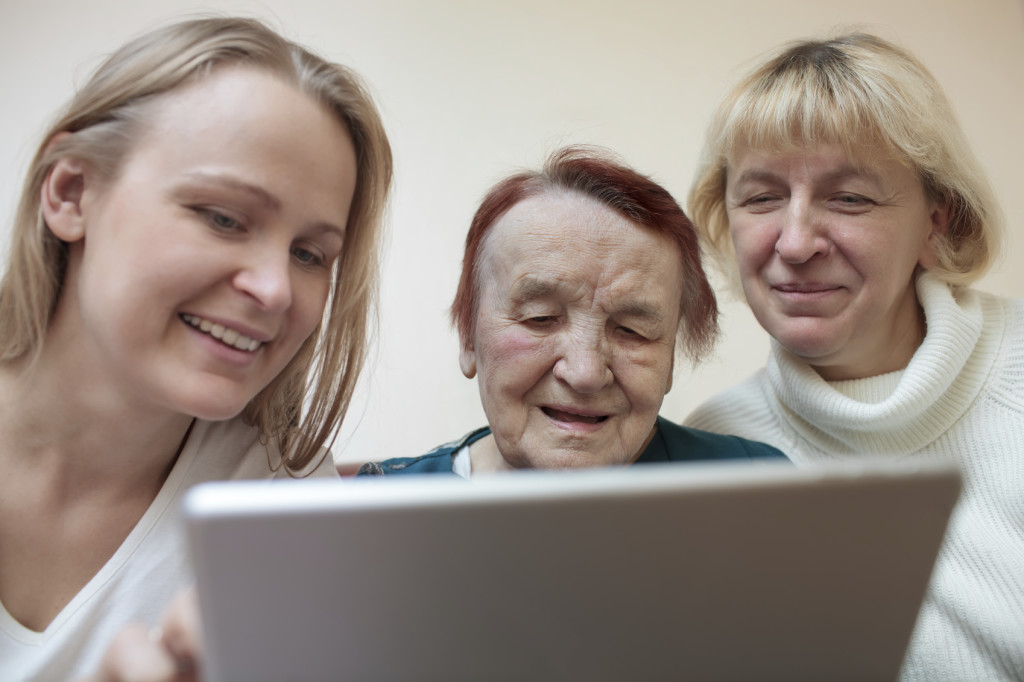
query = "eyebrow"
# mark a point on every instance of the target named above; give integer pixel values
(642, 310)
(531, 288)
(841, 173)
(257, 193)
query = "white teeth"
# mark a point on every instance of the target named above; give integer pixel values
(227, 336)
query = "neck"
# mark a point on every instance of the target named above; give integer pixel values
(82, 441)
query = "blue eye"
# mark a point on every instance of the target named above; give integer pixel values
(224, 221)
(306, 257)
(218, 220)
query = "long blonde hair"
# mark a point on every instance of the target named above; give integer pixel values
(302, 407)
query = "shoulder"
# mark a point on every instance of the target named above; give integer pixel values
(687, 443)
(735, 409)
(232, 449)
(438, 460)
(1004, 321)
(225, 450)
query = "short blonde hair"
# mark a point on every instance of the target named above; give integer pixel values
(870, 96)
(105, 117)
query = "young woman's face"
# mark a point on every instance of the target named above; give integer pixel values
(827, 250)
(204, 265)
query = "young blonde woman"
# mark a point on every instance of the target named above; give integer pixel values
(188, 294)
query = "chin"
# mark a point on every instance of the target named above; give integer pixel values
(573, 460)
(809, 347)
(213, 411)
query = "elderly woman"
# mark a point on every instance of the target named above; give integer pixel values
(580, 285)
(837, 185)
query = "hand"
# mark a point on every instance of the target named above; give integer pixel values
(167, 653)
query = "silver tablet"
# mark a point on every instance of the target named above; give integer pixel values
(746, 570)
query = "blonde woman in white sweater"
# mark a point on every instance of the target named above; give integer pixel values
(837, 189)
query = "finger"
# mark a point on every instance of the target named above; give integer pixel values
(182, 632)
(133, 656)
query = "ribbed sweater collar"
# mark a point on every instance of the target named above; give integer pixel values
(904, 411)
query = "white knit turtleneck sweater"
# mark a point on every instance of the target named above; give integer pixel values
(960, 398)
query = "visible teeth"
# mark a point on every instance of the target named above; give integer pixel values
(227, 336)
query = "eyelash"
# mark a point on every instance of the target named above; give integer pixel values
(858, 200)
(316, 260)
(215, 219)
(845, 200)
(760, 201)
(541, 320)
(224, 223)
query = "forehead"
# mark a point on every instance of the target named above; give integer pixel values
(826, 160)
(256, 128)
(565, 236)
(224, 107)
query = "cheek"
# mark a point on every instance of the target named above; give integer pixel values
(511, 360)
(644, 377)
(751, 245)
(501, 345)
(308, 306)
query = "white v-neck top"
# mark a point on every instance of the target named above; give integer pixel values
(146, 571)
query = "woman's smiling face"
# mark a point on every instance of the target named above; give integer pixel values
(574, 333)
(827, 248)
(197, 273)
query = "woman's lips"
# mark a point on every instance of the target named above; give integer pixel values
(805, 288)
(573, 417)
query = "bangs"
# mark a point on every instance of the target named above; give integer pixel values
(808, 98)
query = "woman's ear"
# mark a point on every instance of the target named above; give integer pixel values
(671, 372)
(940, 217)
(467, 359)
(61, 199)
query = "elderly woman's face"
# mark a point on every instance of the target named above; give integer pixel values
(827, 251)
(575, 332)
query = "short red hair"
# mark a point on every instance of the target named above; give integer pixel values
(596, 174)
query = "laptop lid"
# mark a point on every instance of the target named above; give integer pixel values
(689, 571)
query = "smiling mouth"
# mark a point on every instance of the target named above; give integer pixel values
(572, 417)
(228, 337)
(795, 288)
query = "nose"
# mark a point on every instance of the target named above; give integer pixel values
(266, 277)
(584, 364)
(802, 235)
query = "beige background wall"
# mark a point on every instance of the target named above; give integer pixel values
(471, 90)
